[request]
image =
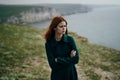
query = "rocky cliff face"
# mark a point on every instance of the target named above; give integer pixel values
(30, 14)
(33, 15)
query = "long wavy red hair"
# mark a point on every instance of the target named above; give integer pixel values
(50, 31)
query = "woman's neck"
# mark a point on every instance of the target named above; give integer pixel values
(58, 37)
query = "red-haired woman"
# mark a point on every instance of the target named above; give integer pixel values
(61, 51)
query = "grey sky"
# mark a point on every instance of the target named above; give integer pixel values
(60, 1)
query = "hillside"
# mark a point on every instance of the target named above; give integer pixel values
(68, 9)
(23, 57)
(23, 14)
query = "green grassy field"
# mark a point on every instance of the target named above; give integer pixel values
(23, 57)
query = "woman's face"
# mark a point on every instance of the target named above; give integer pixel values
(61, 28)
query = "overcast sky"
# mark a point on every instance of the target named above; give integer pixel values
(60, 1)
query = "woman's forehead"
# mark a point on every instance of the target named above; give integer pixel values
(62, 23)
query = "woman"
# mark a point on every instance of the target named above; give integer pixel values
(61, 51)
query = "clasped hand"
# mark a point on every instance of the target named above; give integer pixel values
(72, 54)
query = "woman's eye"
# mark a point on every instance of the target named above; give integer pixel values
(63, 26)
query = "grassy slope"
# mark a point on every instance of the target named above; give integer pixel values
(22, 56)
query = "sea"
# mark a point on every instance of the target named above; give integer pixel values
(101, 25)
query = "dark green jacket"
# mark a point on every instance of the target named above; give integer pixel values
(64, 68)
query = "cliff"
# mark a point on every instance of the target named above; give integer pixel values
(24, 14)
(33, 15)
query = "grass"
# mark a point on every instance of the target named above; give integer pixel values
(19, 47)
(23, 57)
(92, 75)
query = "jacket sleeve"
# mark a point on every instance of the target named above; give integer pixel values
(70, 60)
(51, 58)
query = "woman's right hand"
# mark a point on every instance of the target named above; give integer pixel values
(73, 53)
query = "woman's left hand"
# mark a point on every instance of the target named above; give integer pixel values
(73, 53)
(55, 59)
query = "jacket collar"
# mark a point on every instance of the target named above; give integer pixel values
(64, 39)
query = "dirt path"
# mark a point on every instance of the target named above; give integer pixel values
(81, 74)
(42, 66)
